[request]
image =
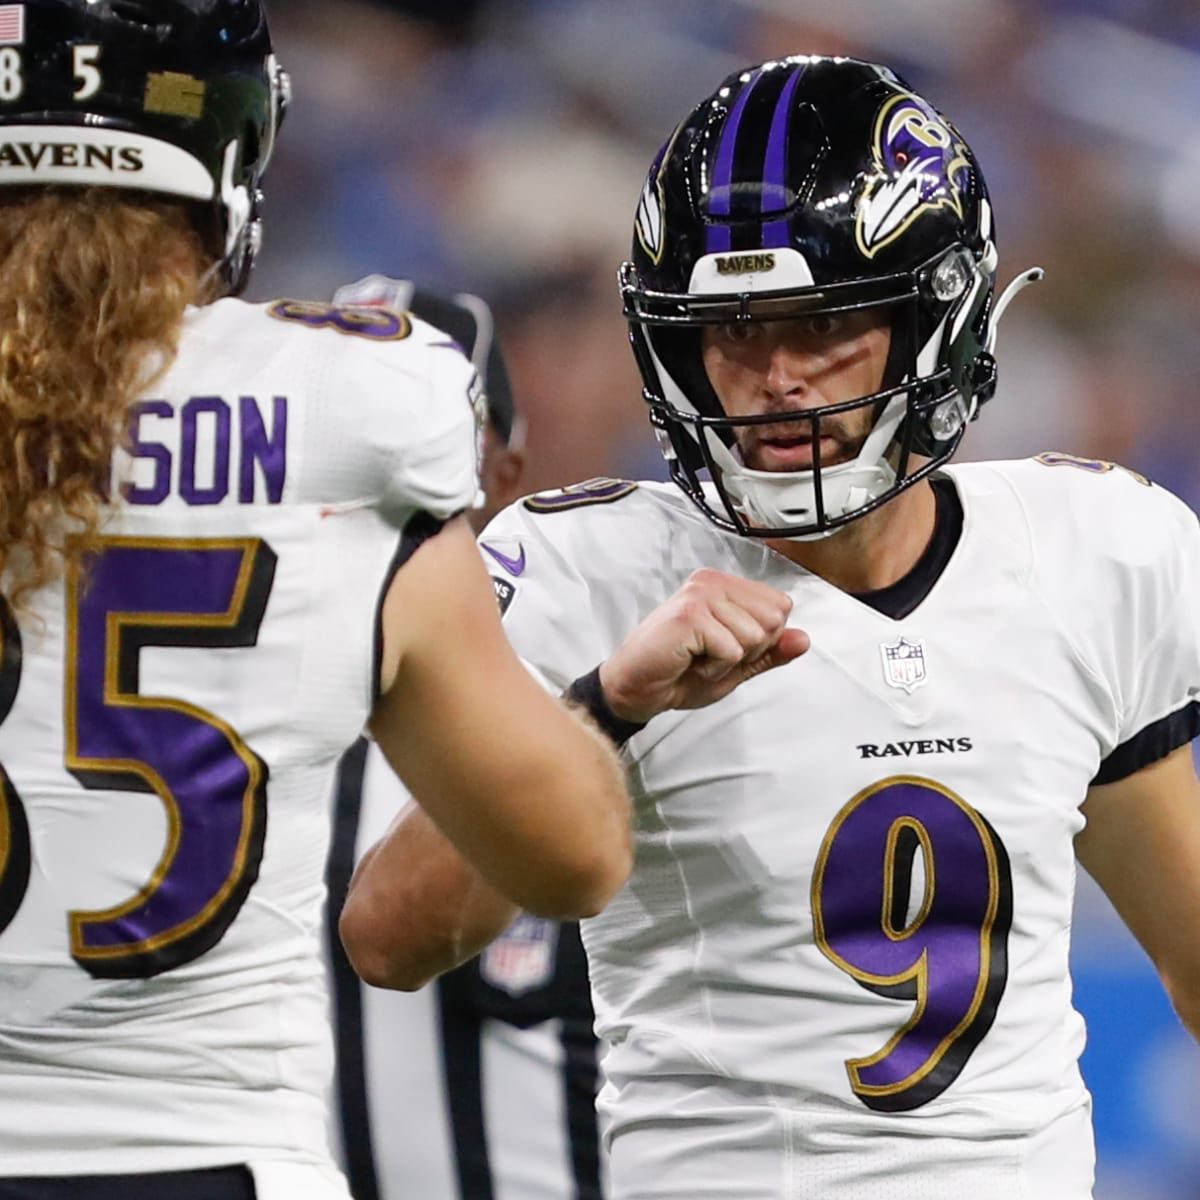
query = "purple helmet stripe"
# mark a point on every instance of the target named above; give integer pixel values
(775, 233)
(720, 238)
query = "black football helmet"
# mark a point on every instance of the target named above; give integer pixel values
(179, 97)
(801, 187)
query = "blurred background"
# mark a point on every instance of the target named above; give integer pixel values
(499, 146)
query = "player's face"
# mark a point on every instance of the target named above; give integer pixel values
(804, 364)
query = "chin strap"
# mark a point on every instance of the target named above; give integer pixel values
(1010, 293)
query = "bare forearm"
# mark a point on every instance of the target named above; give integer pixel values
(522, 790)
(540, 803)
(416, 908)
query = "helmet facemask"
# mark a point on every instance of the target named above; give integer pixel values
(919, 412)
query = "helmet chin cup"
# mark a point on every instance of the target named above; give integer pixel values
(806, 505)
(771, 500)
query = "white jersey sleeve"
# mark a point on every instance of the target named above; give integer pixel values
(1159, 683)
(406, 436)
(547, 599)
(1135, 615)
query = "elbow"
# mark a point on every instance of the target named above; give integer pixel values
(377, 963)
(379, 971)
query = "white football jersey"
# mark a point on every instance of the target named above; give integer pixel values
(172, 718)
(482, 1084)
(840, 966)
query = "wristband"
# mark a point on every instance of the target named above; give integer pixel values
(589, 695)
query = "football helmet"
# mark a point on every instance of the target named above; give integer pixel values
(801, 187)
(177, 97)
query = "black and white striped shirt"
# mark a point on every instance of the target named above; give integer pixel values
(480, 1086)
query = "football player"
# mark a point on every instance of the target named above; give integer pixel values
(231, 538)
(840, 968)
(485, 1083)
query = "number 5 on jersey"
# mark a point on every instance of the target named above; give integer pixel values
(129, 593)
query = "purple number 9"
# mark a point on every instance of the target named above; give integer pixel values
(947, 953)
(135, 592)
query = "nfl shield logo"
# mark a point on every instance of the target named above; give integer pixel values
(522, 957)
(904, 663)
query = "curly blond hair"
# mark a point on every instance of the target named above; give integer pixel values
(93, 287)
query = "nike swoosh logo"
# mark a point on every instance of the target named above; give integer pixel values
(514, 566)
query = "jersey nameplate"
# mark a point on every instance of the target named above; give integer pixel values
(207, 449)
(578, 495)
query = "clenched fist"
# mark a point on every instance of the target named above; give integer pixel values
(713, 634)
